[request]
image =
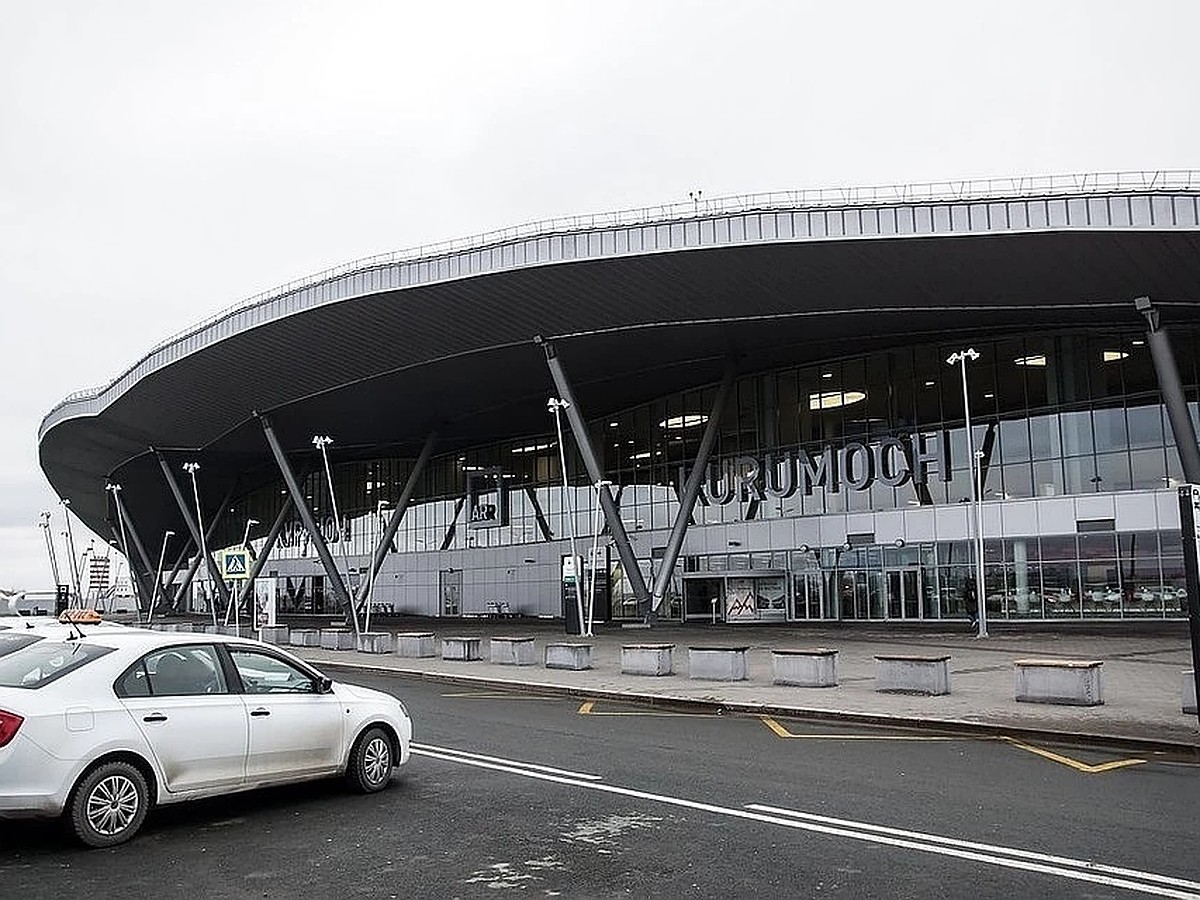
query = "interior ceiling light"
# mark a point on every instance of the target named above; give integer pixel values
(533, 448)
(1036, 360)
(612, 424)
(1115, 355)
(687, 420)
(930, 383)
(834, 399)
(826, 374)
(1138, 343)
(643, 455)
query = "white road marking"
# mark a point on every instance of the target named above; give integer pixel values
(469, 755)
(1005, 857)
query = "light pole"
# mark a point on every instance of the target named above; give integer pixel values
(600, 485)
(235, 606)
(959, 358)
(556, 405)
(66, 505)
(162, 555)
(192, 468)
(322, 442)
(246, 534)
(115, 489)
(44, 524)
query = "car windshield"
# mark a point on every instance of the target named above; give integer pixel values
(11, 641)
(38, 664)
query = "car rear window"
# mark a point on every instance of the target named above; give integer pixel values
(41, 663)
(11, 641)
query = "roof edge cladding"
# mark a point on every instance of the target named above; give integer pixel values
(1106, 201)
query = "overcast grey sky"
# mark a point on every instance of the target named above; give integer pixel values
(160, 160)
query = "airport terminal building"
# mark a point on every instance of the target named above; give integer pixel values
(761, 403)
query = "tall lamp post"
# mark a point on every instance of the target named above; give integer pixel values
(66, 505)
(959, 358)
(44, 524)
(192, 468)
(556, 405)
(322, 442)
(380, 506)
(115, 489)
(162, 555)
(235, 609)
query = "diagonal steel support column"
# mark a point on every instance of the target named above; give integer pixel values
(612, 514)
(147, 565)
(1174, 398)
(169, 581)
(268, 546)
(194, 566)
(214, 571)
(136, 579)
(393, 523)
(691, 490)
(310, 524)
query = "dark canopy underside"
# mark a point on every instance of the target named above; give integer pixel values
(379, 371)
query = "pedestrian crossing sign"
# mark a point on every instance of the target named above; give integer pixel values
(236, 564)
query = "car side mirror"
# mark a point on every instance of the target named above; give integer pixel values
(324, 685)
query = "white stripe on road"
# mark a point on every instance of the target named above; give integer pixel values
(468, 756)
(972, 845)
(1005, 857)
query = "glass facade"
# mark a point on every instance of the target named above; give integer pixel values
(1067, 414)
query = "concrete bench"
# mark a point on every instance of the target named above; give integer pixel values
(375, 642)
(576, 657)
(1061, 681)
(903, 674)
(717, 663)
(462, 648)
(274, 634)
(181, 627)
(816, 667)
(415, 644)
(1189, 692)
(305, 637)
(512, 651)
(647, 659)
(337, 639)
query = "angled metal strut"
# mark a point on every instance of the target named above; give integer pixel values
(214, 571)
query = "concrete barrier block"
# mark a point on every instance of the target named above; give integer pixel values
(805, 668)
(305, 637)
(717, 663)
(575, 657)
(376, 642)
(181, 627)
(274, 634)
(1189, 692)
(512, 651)
(337, 639)
(1061, 682)
(928, 675)
(466, 649)
(415, 644)
(647, 659)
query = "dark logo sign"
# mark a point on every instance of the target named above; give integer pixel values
(893, 461)
(487, 500)
(294, 534)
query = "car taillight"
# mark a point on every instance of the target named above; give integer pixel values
(9, 723)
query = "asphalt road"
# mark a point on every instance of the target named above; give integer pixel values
(633, 802)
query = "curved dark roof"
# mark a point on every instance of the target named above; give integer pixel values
(640, 304)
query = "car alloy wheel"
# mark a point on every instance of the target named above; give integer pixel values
(112, 805)
(377, 760)
(371, 762)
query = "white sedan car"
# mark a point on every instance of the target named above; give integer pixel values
(99, 725)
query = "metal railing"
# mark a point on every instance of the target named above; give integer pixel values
(806, 198)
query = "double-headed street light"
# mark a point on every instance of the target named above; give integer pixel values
(959, 358)
(556, 405)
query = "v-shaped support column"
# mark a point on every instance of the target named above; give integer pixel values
(214, 571)
(310, 524)
(393, 523)
(612, 514)
(261, 560)
(691, 490)
(127, 524)
(192, 568)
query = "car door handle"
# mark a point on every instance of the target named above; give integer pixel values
(154, 717)
(260, 712)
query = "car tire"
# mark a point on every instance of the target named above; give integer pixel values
(109, 804)
(371, 761)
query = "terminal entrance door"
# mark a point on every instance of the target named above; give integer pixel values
(451, 591)
(903, 588)
(704, 598)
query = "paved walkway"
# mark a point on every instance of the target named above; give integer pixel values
(1142, 677)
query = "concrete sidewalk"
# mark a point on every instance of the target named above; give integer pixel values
(1142, 677)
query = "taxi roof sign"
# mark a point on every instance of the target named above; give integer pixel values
(80, 616)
